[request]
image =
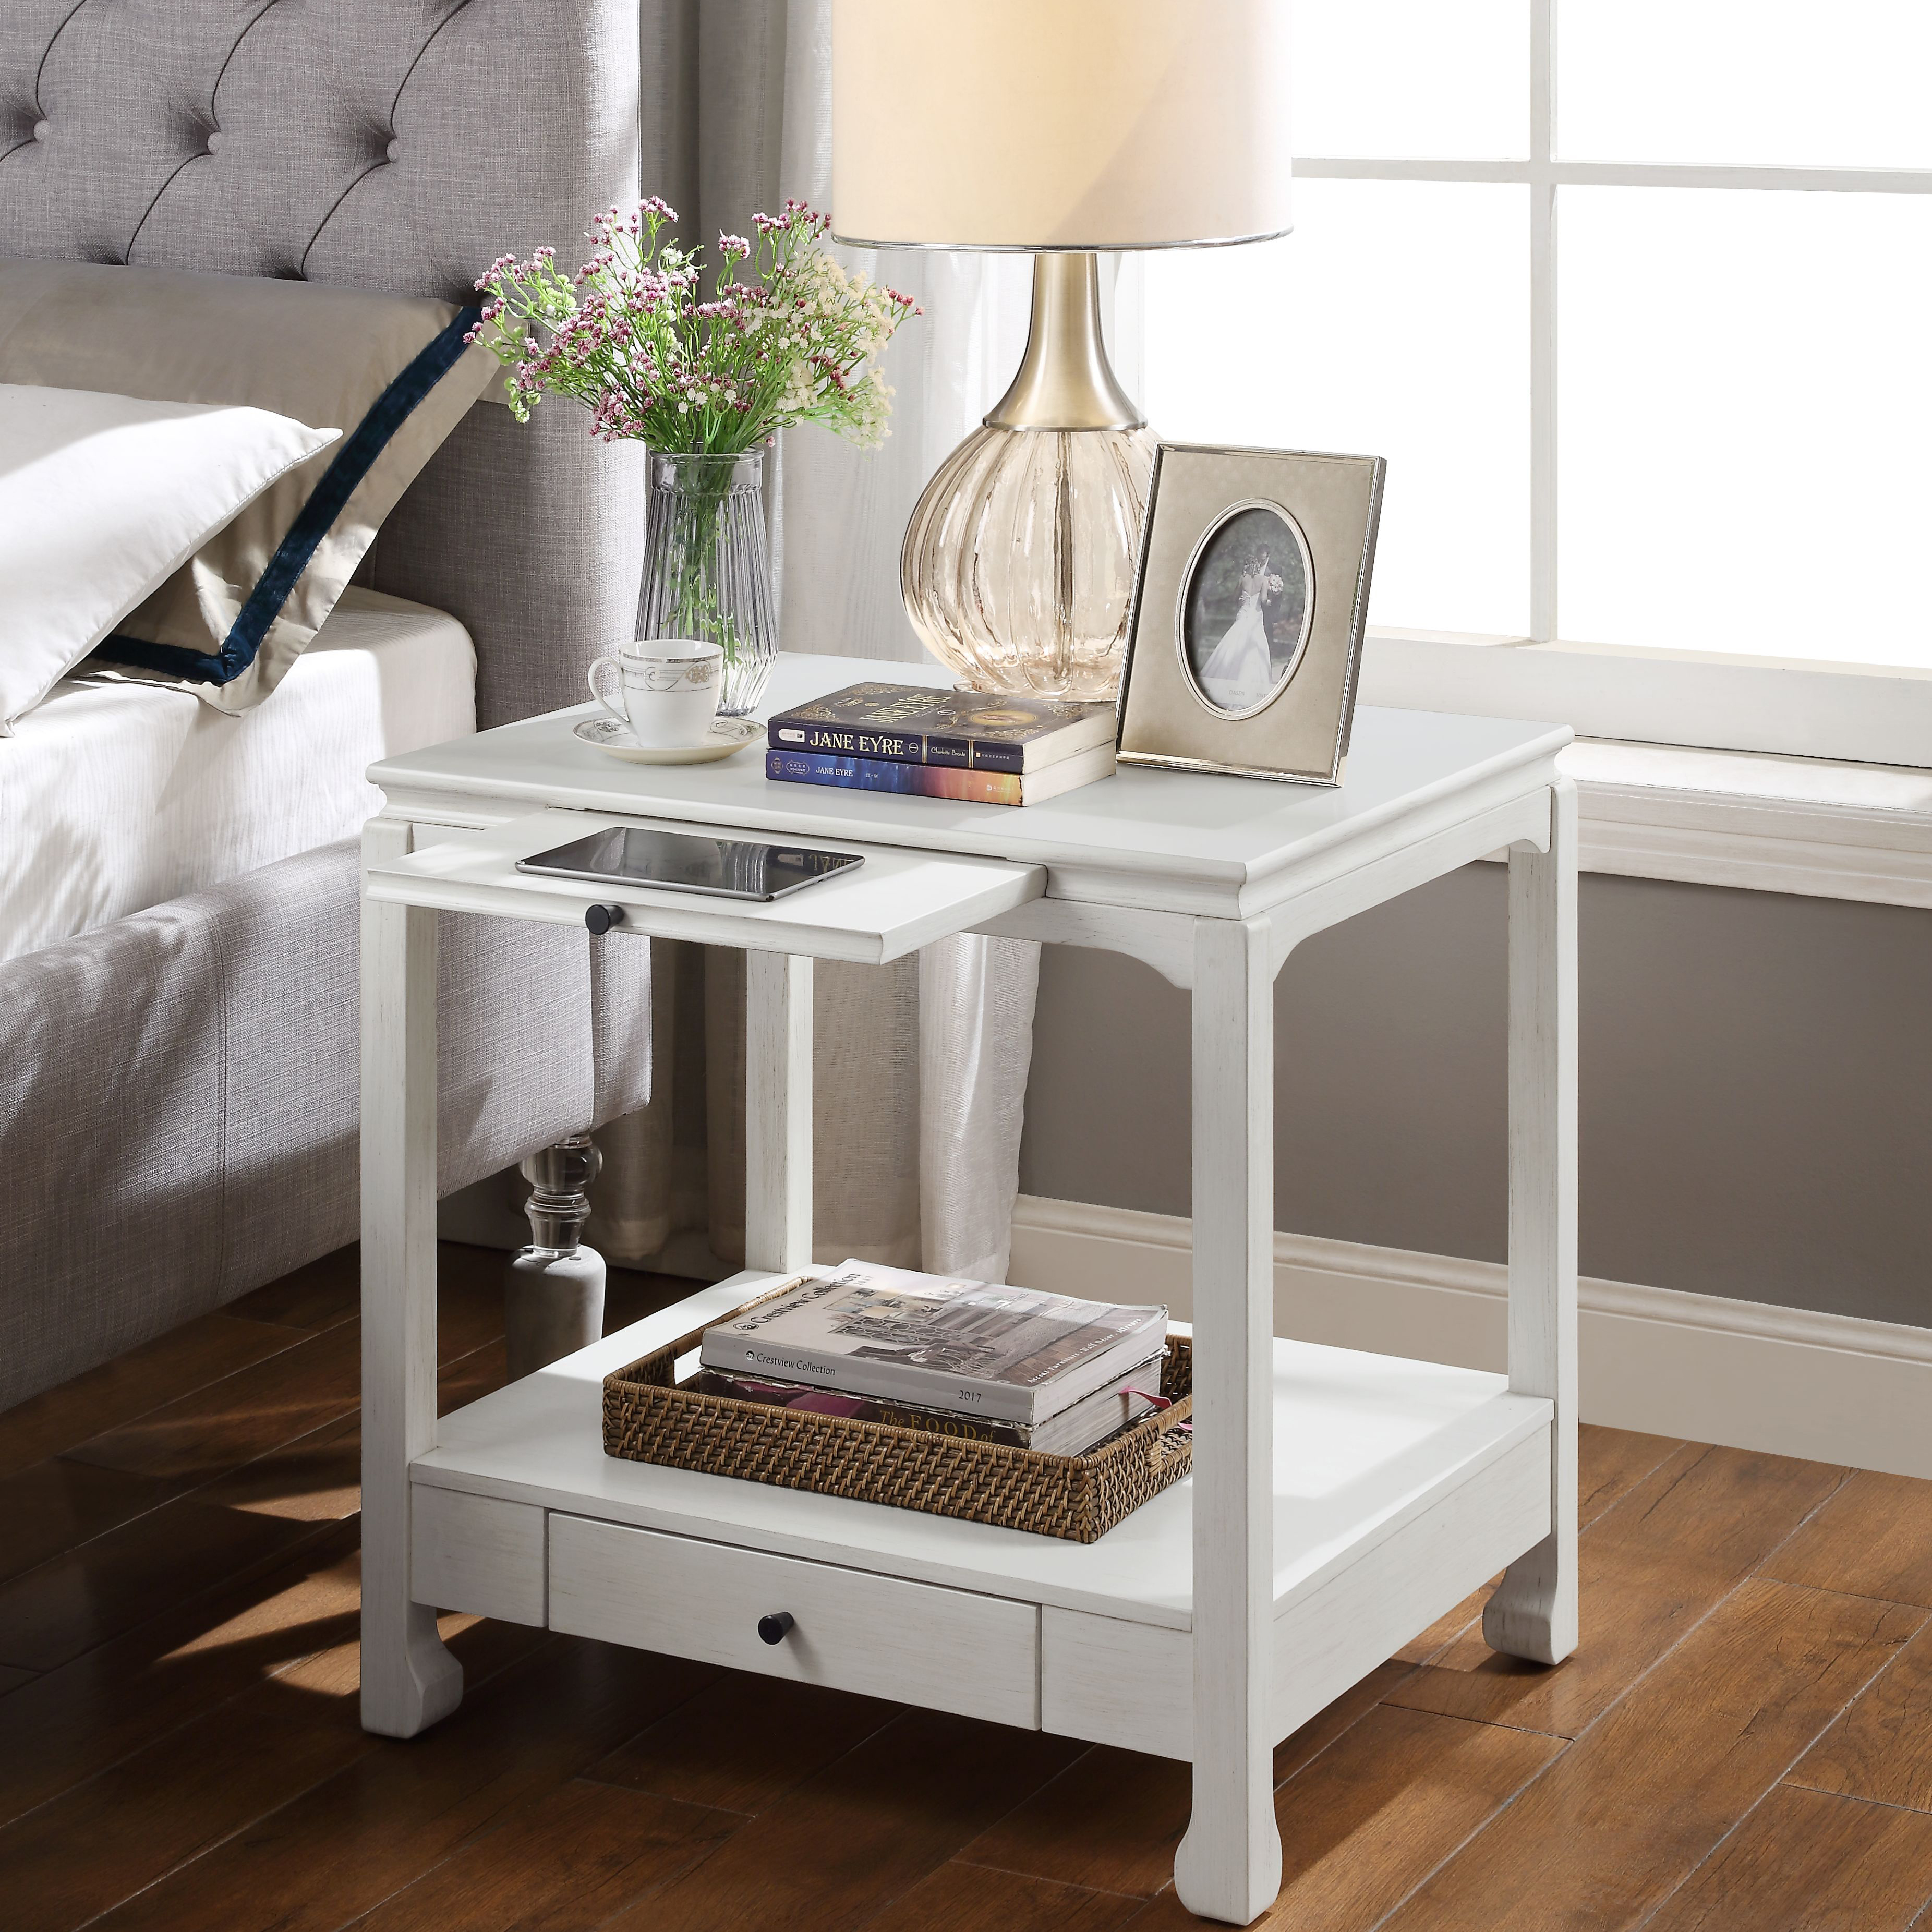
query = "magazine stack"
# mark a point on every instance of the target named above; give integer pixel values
(962, 1358)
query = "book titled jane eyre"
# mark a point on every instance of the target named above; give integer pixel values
(964, 729)
(833, 768)
(1018, 1354)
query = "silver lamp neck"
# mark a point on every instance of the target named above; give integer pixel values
(1065, 380)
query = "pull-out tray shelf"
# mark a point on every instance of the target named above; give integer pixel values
(895, 903)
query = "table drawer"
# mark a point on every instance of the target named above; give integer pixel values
(944, 1650)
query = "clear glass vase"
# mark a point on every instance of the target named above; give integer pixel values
(706, 571)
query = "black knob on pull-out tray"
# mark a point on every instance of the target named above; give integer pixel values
(600, 918)
(776, 1628)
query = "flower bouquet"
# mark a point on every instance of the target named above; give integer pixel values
(705, 381)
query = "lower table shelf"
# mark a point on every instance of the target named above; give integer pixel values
(1399, 1487)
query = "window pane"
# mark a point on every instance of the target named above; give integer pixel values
(1746, 406)
(1393, 322)
(1766, 81)
(1448, 79)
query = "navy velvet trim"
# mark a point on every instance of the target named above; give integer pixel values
(353, 461)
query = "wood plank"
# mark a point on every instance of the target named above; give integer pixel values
(1427, 1644)
(1366, 1821)
(318, 1477)
(292, 1394)
(204, 1435)
(1881, 1746)
(161, 1371)
(960, 1898)
(1873, 1539)
(53, 1506)
(734, 1760)
(469, 1297)
(324, 1293)
(62, 1728)
(1629, 1810)
(564, 1864)
(172, 1554)
(94, 1845)
(630, 1295)
(462, 1379)
(844, 1845)
(1610, 1462)
(469, 1287)
(1111, 1821)
(1652, 1565)
(115, 1835)
(1304, 1746)
(345, 1845)
(1804, 1860)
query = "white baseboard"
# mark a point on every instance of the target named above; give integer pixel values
(1829, 1387)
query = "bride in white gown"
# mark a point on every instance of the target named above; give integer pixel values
(1239, 671)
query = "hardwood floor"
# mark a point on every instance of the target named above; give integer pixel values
(1743, 1743)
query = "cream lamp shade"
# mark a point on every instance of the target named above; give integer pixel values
(1050, 125)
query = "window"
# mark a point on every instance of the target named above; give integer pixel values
(1632, 295)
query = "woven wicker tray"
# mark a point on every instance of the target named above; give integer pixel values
(647, 1418)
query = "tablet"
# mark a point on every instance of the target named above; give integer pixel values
(687, 861)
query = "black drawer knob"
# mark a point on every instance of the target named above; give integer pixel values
(600, 918)
(775, 1629)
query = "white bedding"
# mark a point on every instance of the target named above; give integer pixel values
(116, 795)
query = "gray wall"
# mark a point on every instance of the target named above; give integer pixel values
(1755, 1073)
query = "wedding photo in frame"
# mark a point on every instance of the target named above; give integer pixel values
(1250, 602)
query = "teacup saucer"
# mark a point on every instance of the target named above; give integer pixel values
(727, 735)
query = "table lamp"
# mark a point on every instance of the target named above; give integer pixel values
(1062, 129)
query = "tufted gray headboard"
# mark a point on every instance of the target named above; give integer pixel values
(391, 144)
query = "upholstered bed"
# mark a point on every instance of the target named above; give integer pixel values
(179, 959)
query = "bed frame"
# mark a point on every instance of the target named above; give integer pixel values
(178, 1089)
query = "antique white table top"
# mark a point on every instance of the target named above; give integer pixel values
(1168, 841)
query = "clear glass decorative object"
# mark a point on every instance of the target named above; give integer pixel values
(1018, 562)
(706, 572)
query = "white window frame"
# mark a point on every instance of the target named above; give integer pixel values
(1801, 707)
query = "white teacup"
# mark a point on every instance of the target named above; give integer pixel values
(668, 689)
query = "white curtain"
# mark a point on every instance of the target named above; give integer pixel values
(920, 1068)
(842, 514)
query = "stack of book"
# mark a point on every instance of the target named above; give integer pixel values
(995, 750)
(1009, 1365)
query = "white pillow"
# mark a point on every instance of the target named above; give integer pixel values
(102, 500)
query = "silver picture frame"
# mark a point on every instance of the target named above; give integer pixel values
(1249, 606)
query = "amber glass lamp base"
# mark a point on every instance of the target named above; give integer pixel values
(1018, 566)
(1019, 562)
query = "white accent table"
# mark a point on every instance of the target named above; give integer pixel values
(1340, 1502)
